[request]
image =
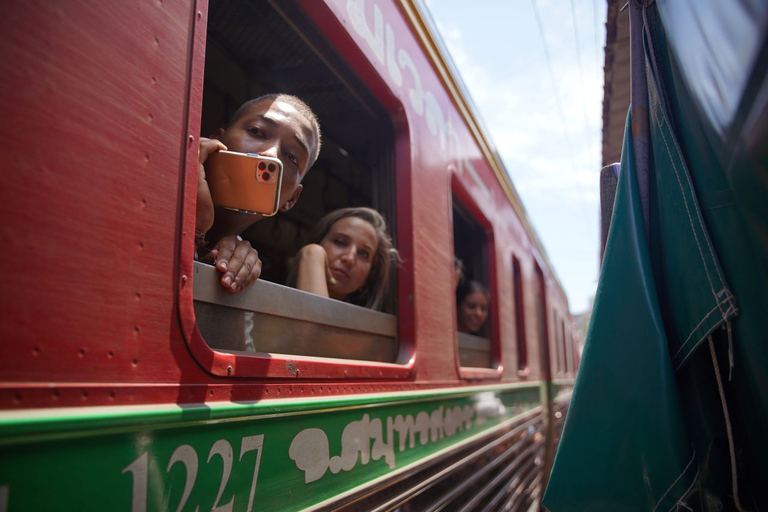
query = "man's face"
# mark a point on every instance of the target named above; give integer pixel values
(277, 129)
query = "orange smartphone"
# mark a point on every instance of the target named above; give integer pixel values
(245, 182)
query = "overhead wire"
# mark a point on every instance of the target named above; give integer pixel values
(581, 69)
(548, 59)
(596, 32)
(559, 105)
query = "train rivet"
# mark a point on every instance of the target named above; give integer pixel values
(229, 370)
(191, 139)
(199, 15)
(184, 279)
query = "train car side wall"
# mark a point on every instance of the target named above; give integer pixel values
(107, 145)
(96, 104)
(109, 395)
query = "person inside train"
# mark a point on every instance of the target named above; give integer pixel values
(349, 259)
(472, 301)
(277, 125)
(458, 272)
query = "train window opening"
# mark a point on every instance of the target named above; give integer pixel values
(542, 327)
(573, 353)
(261, 47)
(522, 342)
(474, 307)
(559, 343)
(567, 349)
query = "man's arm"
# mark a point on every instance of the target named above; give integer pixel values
(234, 258)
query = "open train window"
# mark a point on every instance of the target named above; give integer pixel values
(477, 337)
(567, 349)
(542, 328)
(260, 47)
(559, 340)
(522, 343)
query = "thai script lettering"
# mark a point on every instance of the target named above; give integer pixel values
(369, 439)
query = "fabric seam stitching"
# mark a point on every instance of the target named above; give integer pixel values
(685, 469)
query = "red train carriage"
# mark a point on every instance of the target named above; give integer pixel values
(131, 381)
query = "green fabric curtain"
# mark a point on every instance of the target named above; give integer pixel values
(670, 406)
(624, 445)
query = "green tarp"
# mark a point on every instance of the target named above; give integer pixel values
(670, 406)
(624, 446)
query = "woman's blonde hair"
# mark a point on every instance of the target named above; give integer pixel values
(374, 291)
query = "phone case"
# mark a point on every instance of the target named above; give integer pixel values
(245, 182)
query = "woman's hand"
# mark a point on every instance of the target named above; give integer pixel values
(312, 271)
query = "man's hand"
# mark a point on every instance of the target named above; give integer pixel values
(204, 219)
(238, 261)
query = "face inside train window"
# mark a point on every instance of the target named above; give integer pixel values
(310, 195)
(473, 297)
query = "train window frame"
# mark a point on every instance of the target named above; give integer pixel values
(291, 366)
(518, 296)
(463, 196)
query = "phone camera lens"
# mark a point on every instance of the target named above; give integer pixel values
(272, 167)
(262, 165)
(265, 176)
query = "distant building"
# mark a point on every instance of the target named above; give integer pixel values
(616, 100)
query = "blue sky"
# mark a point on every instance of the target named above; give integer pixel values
(544, 116)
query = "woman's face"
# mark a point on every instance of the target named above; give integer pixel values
(473, 312)
(351, 244)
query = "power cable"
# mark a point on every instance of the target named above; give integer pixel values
(581, 69)
(597, 41)
(558, 103)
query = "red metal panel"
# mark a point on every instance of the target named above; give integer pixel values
(94, 99)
